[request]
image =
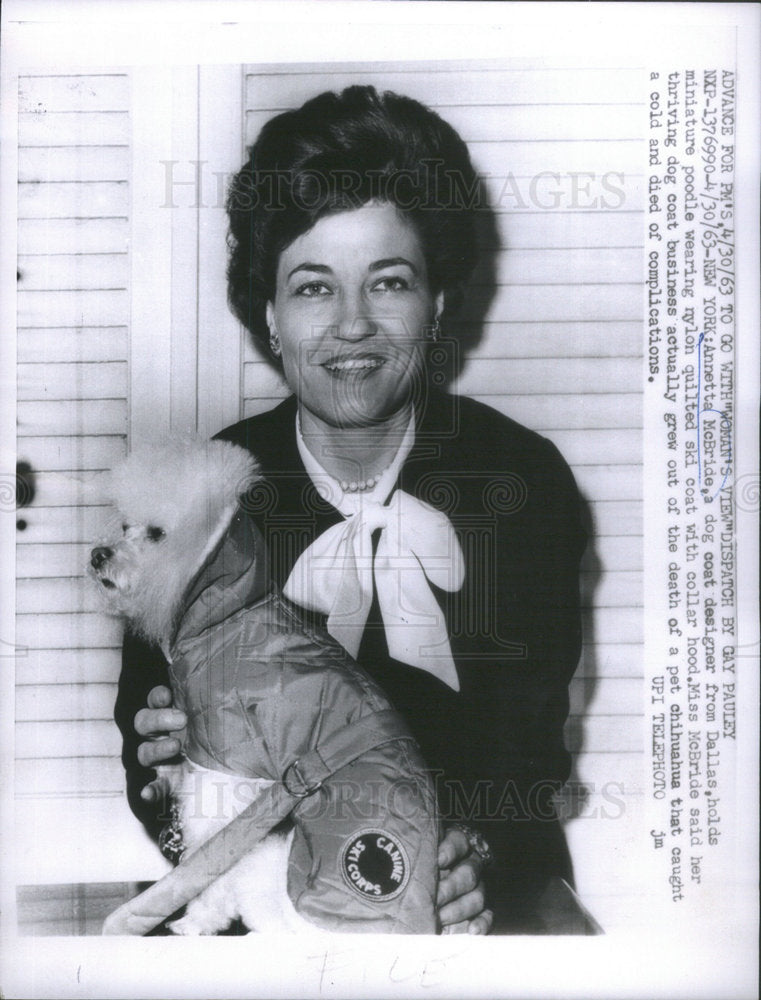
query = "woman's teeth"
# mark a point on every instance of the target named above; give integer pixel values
(353, 364)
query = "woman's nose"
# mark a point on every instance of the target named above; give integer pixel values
(356, 321)
(100, 555)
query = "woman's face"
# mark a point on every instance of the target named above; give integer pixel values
(351, 303)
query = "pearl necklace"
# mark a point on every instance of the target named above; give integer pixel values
(362, 485)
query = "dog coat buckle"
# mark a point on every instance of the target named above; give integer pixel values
(306, 789)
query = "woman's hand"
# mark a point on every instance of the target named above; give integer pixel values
(460, 898)
(156, 722)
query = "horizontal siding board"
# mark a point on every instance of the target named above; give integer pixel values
(611, 588)
(554, 303)
(84, 92)
(67, 200)
(535, 229)
(620, 482)
(498, 376)
(613, 733)
(616, 517)
(599, 447)
(71, 344)
(570, 190)
(260, 404)
(69, 666)
(606, 696)
(73, 271)
(74, 416)
(70, 776)
(262, 380)
(289, 86)
(67, 631)
(79, 164)
(88, 128)
(66, 380)
(594, 265)
(62, 524)
(568, 412)
(68, 489)
(609, 658)
(96, 738)
(613, 552)
(57, 454)
(51, 559)
(70, 595)
(83, 307)
(598, 770)
(53, 236)
(51, 702)
(503, 159)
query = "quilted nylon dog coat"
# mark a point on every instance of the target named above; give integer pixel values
(262, 687)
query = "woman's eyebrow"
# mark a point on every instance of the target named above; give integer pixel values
(378, 265)
(306, 266)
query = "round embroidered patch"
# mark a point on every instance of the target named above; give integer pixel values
(375, 865)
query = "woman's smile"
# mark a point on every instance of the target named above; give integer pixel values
(357, 364)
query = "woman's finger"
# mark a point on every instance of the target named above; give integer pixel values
(464, 908)
(459, 928)
(454, 847)
(159, 721)
(482, 924)
(155, 791)
(154, 752)
(462, 879)
(159, 697)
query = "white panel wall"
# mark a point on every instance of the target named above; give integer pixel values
(75, 198)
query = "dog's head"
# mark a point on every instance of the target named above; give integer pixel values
(173, 502)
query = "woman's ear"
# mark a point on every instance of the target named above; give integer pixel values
(270, 316)
(438, 305)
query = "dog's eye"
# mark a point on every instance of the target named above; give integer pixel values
(125, 528)
(155, 534)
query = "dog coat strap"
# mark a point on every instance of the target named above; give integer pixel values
(146, 911)
(304, 775)
(301, 778)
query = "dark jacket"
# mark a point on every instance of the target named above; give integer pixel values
(495, 747)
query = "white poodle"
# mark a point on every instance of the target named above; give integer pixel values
(186, 567)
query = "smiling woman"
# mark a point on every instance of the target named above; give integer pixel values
(437, 540)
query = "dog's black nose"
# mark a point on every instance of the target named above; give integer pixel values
(100, 555)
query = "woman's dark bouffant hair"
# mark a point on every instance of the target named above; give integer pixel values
(338, 152)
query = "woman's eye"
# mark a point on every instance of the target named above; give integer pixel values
(155, 534)
(392, 283)
(312, 289)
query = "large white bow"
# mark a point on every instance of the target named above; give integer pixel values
(417, 543)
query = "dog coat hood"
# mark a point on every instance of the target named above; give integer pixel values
(261, 687)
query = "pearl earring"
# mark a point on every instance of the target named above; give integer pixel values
(275, 344)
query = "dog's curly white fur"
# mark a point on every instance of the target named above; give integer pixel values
(174, 503)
